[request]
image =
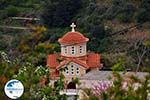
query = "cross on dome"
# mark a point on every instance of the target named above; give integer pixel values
(73, 27)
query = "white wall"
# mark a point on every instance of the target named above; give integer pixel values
(67, 50)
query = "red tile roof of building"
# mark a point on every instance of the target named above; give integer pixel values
(62, 63)
(54, 74)
(52, 60)
(80, 62)
(92, 60)
(73, 38)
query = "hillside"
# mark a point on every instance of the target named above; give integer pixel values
(117, 29)
(110, 25)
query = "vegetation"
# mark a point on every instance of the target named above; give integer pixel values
(34, 78)
(128, 87)
(118, 29)
(96, 19)
(61, 12)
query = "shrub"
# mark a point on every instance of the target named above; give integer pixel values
(12, 11)
(60, 13)
(124, 17)
(121, 10)
(128, 87)
(3, 45)
(142, 16)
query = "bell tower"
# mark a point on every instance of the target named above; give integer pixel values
(73, 44)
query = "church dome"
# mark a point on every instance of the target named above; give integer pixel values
(73, 38)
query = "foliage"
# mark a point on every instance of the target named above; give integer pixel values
(12, 11)
(128, 87)
(122, 10)
(147, 43)
(143, 14)
(92, 19)
(119, 66)
(133, 89)
(76, 81)
(112, 59)
(32, 78)
(7, 70)
(3, 45)
(96, 19)
(121, 87)
(45, 48)
(33, 49)
(60, 13)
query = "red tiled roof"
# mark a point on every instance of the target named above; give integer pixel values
(80, 62)
(62, 63)
(52, 60)
(93, 60)
(54, 74)
(73, 38)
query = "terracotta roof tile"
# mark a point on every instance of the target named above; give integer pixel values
(77, 61)
(52, 60)
(73, 38)
(62, 63)
(80, 62)
(54, 74)
(93, 60)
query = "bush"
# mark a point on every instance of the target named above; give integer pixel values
(126, 87)
(60, 13)
(123, 17)
(143, 13)
(142, 16)
(3, 45)
(112, 58)
(12, 11)
(121, 10)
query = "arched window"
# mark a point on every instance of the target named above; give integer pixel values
(80, 49)
(71, 85)
(72, 69)
(72, 50)
(67, 71)
(77, 70)
(65, 49)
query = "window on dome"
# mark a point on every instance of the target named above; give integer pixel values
(65, 50)
(73, 50)
(80, 49)
(77, 72)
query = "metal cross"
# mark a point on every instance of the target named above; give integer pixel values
(73, 27)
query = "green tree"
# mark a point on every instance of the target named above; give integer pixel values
(121, 10)
(61, 12)
(35, 79)
(143, 14)
(7, 69)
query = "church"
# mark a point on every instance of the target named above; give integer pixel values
(76, 62)
(73, 58)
